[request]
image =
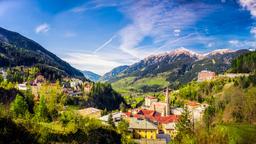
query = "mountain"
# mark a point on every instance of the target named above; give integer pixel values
(17, 50)
(91, 75)
(113, 73)
(172, 69)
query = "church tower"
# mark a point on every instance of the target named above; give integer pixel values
(167, 101)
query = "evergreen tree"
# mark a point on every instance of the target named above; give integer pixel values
(19, 106)
(123, 107)
(185, 128)
(41, 110)
(110, 120)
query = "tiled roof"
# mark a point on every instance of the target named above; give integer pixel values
(193, 103)
(151, 97)
(167, 119)
(153, 116)
(141, 124)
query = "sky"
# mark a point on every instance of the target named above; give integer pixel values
(99, 35)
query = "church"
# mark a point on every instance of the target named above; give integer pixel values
(153, 120)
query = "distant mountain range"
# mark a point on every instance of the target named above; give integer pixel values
(113, 73)
(17, 50)
(172, 68)
(91, 75)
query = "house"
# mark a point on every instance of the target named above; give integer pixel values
(87, 87)
(4, 74)
(90, 112)
(153, 121)
(165, 124)
(206, 75)
(75, 82)
(22, 87)
(196, 109)
(149, 100)
(142, 128)
(117, 117)
(177, 111)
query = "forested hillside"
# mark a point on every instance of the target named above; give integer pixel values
(172, 69)
(17, 50)
(245, 63)
(231, 114)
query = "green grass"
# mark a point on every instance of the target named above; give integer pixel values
(239, 133)
(128, 84)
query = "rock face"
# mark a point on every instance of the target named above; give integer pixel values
(17, 50)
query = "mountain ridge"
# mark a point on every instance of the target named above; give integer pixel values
(91, 75)
(17, 50)
(176, 67)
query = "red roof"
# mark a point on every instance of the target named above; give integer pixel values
(150, 97)
(193, 103)
(167, 119)
(153, 116)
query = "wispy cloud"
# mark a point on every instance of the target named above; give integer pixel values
(242, 44)
(42, 28)
(105, 44)
(69, 34)
(161, 20)
(253, 31)
(99, 63)
(250, 5)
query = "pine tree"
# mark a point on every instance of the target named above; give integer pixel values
(19, 106)
(110, 120)
(41, 110)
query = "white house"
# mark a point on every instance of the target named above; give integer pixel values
(22, 87)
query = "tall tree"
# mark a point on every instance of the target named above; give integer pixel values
(19, 106)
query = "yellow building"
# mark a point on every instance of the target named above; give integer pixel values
(142, 128)
(170, 129)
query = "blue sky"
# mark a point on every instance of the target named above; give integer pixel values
(99, 35)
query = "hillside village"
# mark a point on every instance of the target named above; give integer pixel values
(155, 121)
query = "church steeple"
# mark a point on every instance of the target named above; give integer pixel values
(167, 101)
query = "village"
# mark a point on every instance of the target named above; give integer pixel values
(154, 122)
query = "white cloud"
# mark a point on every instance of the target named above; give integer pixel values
(239, 44)
(99, 63)
(177, 32)
(234, 42)
(253, 31)
(250, 5)
(42, 28)
(79, 9)
(158, 21)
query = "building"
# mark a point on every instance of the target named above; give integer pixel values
(87, 87)
(154, 121)
(22, 87)
(36, 86)
(142, 128)
(149, 100)
(117, 117)
(90, 112)
(196, 109)
(177, 111)
(4, 74)
(206, 75)
(162, 107)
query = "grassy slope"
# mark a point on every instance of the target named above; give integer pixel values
(239, 133)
